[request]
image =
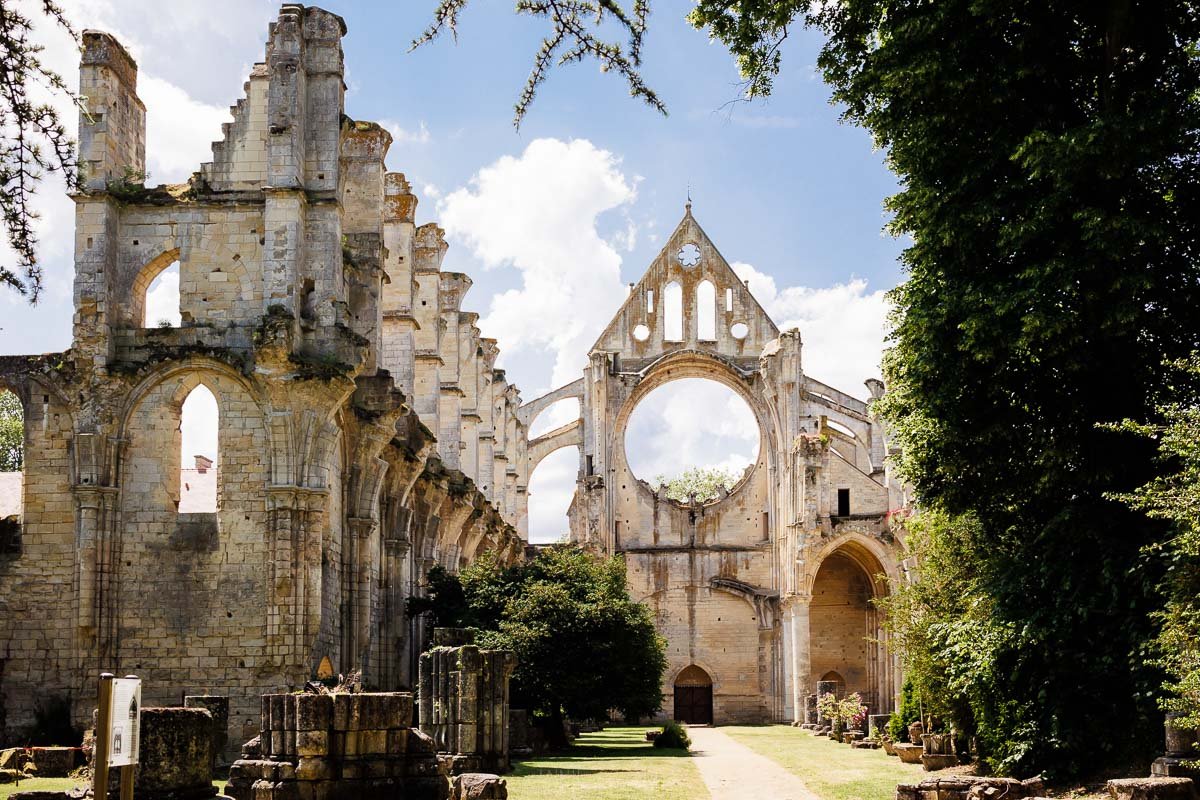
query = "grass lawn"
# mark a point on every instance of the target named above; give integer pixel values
(834, 771)
(613, 764)
(37, 785)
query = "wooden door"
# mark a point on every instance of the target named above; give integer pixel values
(693, 704)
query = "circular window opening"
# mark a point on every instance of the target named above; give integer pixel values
(739, 330)
(693, 435)
(689, 255)
(641, 333)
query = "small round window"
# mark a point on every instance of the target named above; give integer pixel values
(739, 330)
(641, 333)
(688, 255)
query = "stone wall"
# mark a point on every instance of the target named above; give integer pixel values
(364, 432)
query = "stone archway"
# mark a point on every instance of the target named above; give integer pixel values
(846, 635)
(693, 696)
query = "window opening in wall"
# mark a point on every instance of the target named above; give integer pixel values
(693, 435)
(551, 488)
(162, 300)
(688, 255)
(12, 465)
(649, 301)
(673, 312)
(555, 415)
(198, 457)
(641, 333)
(706, 311)
(739, 330)
(729, 299)
(843, 503)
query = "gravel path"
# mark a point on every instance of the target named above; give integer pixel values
(732, 771)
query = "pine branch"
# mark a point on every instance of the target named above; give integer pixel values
(574, 24)
(33, 140)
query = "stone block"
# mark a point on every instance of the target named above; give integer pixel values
(54, 762)
(218, 706)
(372, 742)
(310, 768)
(935, 761)
(342, 712)
(397, 741)
(909, 753)
(478, 786)
(312, 743)
(314, 712)
(175, 753)
(1152, 789)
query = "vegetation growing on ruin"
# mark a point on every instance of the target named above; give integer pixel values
(12, 433)
(706, 483)
(583, 647)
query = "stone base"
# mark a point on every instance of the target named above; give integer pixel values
(460, 764)
(969, 787)
(1152, 789)
(935, 761)
(478, 786)
(55, 762)
(909, 753)
(865, 744)
(1171, 767)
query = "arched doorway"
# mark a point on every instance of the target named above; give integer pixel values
(694, 696)
(845, 633)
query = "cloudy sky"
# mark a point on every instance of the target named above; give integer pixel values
(553, 221)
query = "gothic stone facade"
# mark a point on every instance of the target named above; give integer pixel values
(766, 590)
(364, 434)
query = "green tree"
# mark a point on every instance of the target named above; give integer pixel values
(33, 139)
(12, 433)
(583, 647)
(1175, 496)
(705, 483)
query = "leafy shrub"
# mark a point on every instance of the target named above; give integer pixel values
(673, 736)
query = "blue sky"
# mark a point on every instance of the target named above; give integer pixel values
(568, 209)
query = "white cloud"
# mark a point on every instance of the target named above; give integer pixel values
(842, 326)
(402, 135)
(538, 213)
(180, 130)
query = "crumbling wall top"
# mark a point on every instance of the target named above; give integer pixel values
(103, 50)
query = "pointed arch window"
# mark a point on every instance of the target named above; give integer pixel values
(706, 311)
(198, 456)
(162, 300)
(673, 312)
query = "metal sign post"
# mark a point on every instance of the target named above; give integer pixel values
(117, 732)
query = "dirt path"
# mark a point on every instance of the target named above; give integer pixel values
(732, 771)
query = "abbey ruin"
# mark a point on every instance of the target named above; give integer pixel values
(366, 435)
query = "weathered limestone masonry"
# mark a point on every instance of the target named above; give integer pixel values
(338, 747)
(765, 591)
(463, 703)
(364, 432)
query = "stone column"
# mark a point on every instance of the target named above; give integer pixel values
(801, 657)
